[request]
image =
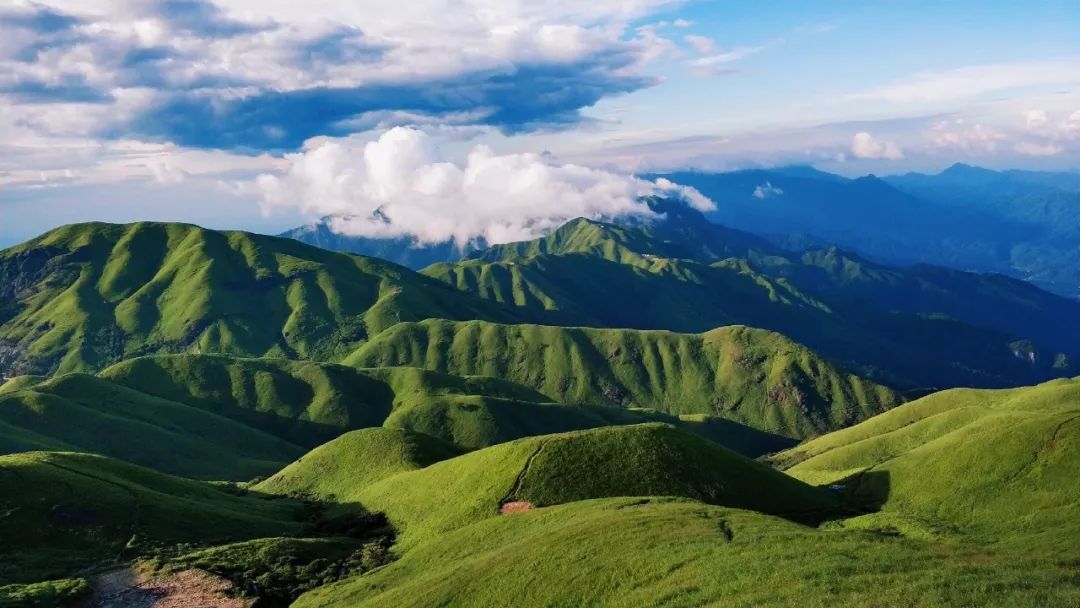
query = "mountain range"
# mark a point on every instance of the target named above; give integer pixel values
(649, 411)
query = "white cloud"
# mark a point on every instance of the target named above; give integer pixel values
(972, 81)
(682, 23)
(764, 191)
(718, 64)
(1035, 149)
(702, 44)
(1035, 118)
(864, 145)
(400, 184)
(1072, 125)
(959, 134)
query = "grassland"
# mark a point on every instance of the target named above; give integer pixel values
(995, 464)
(756, 378)
(911, 327)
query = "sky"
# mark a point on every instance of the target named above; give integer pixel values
(458, 119)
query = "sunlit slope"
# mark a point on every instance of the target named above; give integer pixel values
(917, 327)
(754, 377)
(86, 295)
(1001, 463)
(627, 552)
(639, 460)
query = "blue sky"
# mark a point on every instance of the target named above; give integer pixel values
(215, 112)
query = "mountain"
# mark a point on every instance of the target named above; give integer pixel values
(86, 295)
(406, 251)
(915, 327)
(1020, 223)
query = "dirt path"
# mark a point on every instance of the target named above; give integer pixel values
(188, 589)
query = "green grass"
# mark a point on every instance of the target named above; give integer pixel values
(671, 552)
(754, 377)
(998, 464)
(635, 460)
(86, 295)
(913, 327)
(356, 459)
(61, 512)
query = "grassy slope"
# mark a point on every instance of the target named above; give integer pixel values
(86, 295)
(1001, 463)
(588, 273)
(650, 552)
(754, 377)
(552, 469)
(76, 412)
(64, 511)
(356, 459)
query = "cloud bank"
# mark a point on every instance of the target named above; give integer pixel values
(400, 185)
(253, 76)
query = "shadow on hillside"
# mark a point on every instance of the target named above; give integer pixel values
(867, 491)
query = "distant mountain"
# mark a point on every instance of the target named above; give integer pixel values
(406, 251)
(1021, 223)
(916, 327)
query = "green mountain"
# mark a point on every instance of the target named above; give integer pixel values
(757, 378)
(86, 295)
(915, 327)
(996, 463)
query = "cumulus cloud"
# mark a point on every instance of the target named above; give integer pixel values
(864, 145)
(240, 74)
(401, 185)
(959, 134)
(764, 191)
(1035, 118)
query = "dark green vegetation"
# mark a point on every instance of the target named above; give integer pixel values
(83, 296)
(913, 327)
(61, 512)
(757, 378)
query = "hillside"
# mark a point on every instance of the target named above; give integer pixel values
(405, 251)
(915, 327)
(86, 295)
(995, 463)
(754, 377)
(63, 512)
(639, 460)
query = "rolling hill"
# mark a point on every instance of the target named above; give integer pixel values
(754, 377)
(914, 327)
(996, 463)
(87, 295)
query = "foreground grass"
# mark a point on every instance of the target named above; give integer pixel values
(643, 552)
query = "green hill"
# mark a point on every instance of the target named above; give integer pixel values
(356, 459)
(77, 412)
(62, 512)
(86, 295)
(639, 460)
(757, 378)
(998, 463)
(916, 327)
